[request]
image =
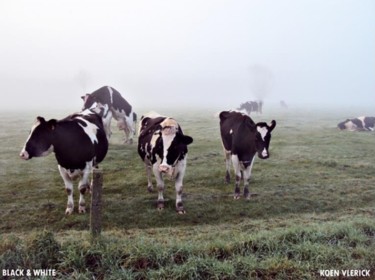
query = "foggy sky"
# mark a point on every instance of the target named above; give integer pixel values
(187, 53)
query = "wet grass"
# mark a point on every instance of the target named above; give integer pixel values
(313, 208)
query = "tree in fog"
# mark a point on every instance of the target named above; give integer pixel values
(261, 81)
(83, 79)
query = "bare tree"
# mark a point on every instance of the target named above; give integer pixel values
(261, 81)
(83, 79)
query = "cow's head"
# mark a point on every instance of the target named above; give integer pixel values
(347, 124)
(39, 142)
(263, 138)
(88, 101)
(174, 145)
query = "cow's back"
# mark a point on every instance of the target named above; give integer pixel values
(73, 147)
(233, 126)
(101, 147)
(148, 128)
(109, 95)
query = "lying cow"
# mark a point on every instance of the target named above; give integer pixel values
(358, 124)
(163, 147)
(119, 108)
(79, 143)
(242, 139)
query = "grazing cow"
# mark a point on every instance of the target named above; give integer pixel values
(163, 147)
(358, 124)
(79, 143)
(251, 106)
(242, 139)
(119, 108)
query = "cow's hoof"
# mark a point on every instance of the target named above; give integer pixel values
(160, 205)
(82, 209)
(68, 211)
(150, 189)
(180, 211)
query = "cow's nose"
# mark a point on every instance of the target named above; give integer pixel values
(24, 155)
(164, 168)
(264, 154)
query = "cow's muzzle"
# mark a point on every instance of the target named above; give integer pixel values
(166, 169)
(24, 155)
(263, 154)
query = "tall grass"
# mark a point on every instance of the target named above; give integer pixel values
(208, 252)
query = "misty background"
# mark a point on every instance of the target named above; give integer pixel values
(187, 53)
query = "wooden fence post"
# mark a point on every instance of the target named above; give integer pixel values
(96, 203)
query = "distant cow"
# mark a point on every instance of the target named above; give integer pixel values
(79, 143)
(358, 124)
(163, 147)
(119, 108)
(251, 106)
(242, 139)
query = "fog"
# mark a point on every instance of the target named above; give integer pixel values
(187, 53)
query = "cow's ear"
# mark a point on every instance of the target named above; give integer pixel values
(52, 124)
(40, 119)
(187, 139)
(83, 98)
(272, 125)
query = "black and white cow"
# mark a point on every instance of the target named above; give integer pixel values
(163, 148)
(251, 106)
(79, 143)
(119, 108)
(358, 124)
(242, 139)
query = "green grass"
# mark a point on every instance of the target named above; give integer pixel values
(313, 207)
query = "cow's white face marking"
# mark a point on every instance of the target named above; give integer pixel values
(262, 131)
(231, 131)
(24, 154)
(110, 94)
(35, 125)
(169, 129)
(90, 129)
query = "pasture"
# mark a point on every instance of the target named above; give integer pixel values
(312, 209)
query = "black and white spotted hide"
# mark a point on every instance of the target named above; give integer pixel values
(163, 148)
(119, 108)
(242, 139)
(79, 143)
(358, 124)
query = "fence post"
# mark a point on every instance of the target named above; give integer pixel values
(96, 203)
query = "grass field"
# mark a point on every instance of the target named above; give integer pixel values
(313, 207)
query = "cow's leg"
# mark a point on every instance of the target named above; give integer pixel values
(121, 124)
(107, 127)
(148, 166)
(130, 128)
(68, 188)
(160, 186)
(83, 187)
(180, 169)
(227, 155)
(237, 172)
(246, 179)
